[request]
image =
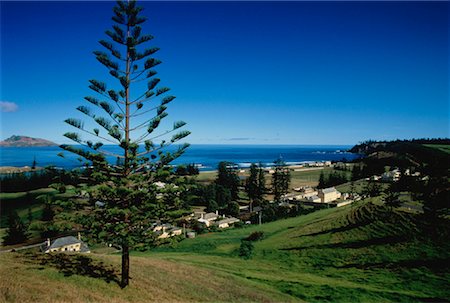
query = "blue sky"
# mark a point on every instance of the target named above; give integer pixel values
(243, 72)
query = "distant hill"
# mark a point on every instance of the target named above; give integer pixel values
(23, 141)
(371, 146)
(429, 156)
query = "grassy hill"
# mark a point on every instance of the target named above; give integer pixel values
(363, 252)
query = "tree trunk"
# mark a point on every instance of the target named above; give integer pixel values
(125, 266)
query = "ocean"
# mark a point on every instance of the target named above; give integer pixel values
(205, 156)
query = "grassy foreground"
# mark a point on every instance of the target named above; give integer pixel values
(358, 253)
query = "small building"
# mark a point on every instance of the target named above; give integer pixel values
(306, 193)
(328, 195)
(208, 218)
(65, 244)
(314, 199)
(166, 230)
(391, 176)
(227, 222)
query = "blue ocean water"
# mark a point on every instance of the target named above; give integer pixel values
(208, 156)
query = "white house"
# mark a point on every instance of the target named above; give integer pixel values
(226, 222)
(208, 218)
(327, 195)
(167, 230)
(65, 244)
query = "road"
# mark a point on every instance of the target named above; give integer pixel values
(22, 247)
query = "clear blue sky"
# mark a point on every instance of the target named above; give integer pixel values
(243, 72)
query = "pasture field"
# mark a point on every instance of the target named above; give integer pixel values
(363, 252)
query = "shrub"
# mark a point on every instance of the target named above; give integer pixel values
(255, 236)
(246, 249)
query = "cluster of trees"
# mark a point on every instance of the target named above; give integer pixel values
(332, 179)
(186, 170)
(17, 231)
(272, 212)
(221, 195)
(255, 185)
(20, 182)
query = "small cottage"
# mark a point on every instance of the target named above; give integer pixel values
(65, 244)
(208, 218)
(227, 222)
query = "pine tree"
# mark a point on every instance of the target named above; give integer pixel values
(127, 114)
(322, 182)
(261, 182)
(252, 185)
(228, 178)
(17, 231)
(280, 179)
(391, 198)
(223, 196)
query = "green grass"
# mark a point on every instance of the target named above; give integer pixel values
(298, 178)
(363, 252)
(354, 253)
(442, 147)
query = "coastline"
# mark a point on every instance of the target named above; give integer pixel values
(18, 169)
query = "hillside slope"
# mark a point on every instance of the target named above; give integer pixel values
(356, 253)
(359, 253)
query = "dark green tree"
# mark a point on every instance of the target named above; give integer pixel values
(233, 208)
(189, 170)
(255, 185)
(17, 231)
(228, 178)
(192, 170)
(322, 181)
(128, 114)
(212, 206)
(436, 197)
(47, 213)
(372, 189)
(252, 185)
(281, 179)
(261, 182)
(391, 198)
(246, 249)
(223, 196)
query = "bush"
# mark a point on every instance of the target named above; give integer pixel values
(239, 224)
(246, 249)
(255, 236)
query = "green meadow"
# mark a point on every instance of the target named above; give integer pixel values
(359, 253)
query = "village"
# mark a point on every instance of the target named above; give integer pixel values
(308, 197)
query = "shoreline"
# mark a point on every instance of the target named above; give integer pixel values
(298, 166)
(18, 169)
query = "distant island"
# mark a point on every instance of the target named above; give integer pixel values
(24, 141)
